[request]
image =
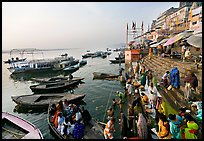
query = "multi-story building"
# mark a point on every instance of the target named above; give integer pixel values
(177, 21)
(195, 16)
(161, 20)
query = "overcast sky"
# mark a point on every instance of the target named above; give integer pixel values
(68, 24)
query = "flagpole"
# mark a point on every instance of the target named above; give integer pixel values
(127, 36)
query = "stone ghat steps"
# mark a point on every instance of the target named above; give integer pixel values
(162, 66)
(159, 66)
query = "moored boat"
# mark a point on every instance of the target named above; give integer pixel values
(14, 127)
(99, 75)
(117, 61)
(53, 87)
(56, 79)
(41, 101)
(91, 129)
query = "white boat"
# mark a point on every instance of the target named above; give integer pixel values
(35, 65)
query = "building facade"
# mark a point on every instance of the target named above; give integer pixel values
(195, 16)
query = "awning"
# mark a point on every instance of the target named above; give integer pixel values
(131, 42)
(161, 42)
(178, 37)
(195, 40)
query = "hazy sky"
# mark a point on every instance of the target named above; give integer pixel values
(70, 24)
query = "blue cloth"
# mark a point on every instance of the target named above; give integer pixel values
(78, 132)
(175, 78)
(174, 129)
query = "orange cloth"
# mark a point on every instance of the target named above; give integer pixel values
(164, 132)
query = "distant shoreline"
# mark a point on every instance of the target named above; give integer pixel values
(8, 51)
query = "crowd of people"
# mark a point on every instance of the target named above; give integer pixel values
(144, 101)
(69, 119)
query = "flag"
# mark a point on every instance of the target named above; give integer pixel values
(133, 25)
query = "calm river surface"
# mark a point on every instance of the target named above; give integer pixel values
(99, 93)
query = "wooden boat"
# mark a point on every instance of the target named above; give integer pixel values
(41, 101)
(53, 87)
(56, 79)
(92, 129)
(14, 127)
(99, 75)
(117, 61)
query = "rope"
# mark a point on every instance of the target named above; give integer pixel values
(13, 132)
(107, 103)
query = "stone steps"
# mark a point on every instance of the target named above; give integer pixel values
(160, 65)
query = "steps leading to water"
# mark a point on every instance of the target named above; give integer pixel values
(160, 65)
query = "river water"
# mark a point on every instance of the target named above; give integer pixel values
(99, 93)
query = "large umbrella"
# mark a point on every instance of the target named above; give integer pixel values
(178, 37)
(195, 40)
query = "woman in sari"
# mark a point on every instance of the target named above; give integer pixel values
(164, 128)
(142, 129)
(192, 128)
(176, 122)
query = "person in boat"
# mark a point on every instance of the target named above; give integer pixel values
(53, 109)
(109, 129)
(78, 131)
(123, 126)
(78, 116)
(67, 128)
(61, 120)
(66, 107)
(85, 115)
(164, 127)
(175, 122)
(165, 79)
(110, 113)
(192, 128)
(59, 109)
(130, 117)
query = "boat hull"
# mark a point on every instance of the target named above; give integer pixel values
(42, 101)
(14, 124)
(53, 87)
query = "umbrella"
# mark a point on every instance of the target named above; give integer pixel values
(178, 37)
(198, 30)
(131, 42)
(195, 40)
